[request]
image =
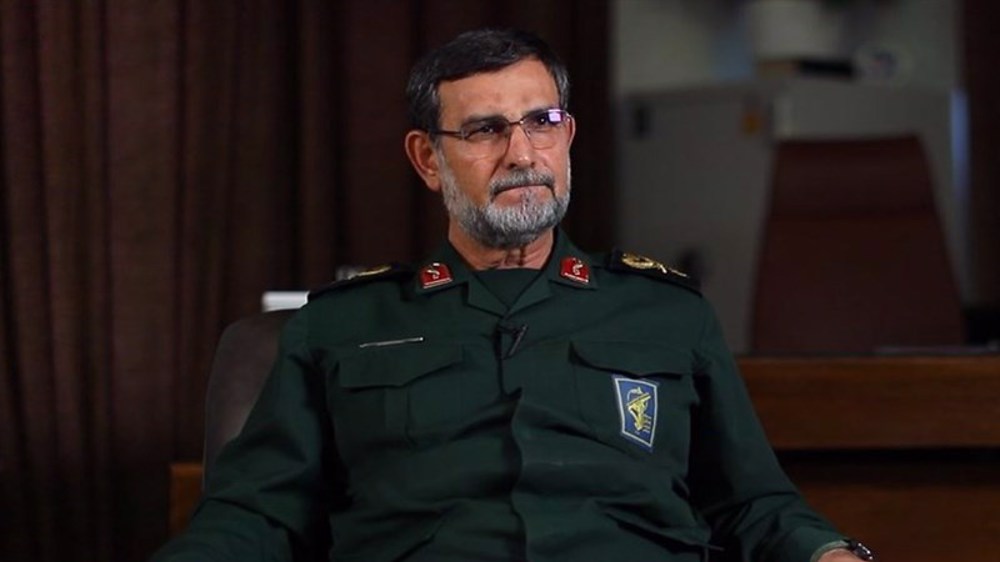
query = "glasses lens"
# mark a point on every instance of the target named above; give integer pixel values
(545, 127)
(485, 131)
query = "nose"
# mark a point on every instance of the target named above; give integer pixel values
(520, 153)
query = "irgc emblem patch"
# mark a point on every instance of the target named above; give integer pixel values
(637, 409)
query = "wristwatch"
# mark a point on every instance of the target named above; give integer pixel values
(850, 545)
(858, 549)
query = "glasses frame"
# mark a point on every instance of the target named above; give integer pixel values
(464, 136)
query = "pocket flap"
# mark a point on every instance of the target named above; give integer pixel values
(639, 359)
(396, 365)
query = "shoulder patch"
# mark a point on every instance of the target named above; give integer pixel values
(387, 271)
(635, 263)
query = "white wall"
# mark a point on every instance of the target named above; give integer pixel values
(926, 31)
(663, 44)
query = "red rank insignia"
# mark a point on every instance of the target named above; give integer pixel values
(576, 270)
(434, 275)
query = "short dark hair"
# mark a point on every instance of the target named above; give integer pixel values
(473, 52)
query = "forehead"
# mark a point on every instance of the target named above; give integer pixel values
(510, 91)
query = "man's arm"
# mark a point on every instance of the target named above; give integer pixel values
(736, 481)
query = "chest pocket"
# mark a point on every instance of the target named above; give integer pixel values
(637, 397)
(406, 392)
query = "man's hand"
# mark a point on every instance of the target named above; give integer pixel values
(838, 555)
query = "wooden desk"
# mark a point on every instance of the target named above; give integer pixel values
(903, 452)
(877, 402)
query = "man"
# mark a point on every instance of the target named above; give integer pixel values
(512, 398)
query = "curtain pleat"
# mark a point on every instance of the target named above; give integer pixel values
(980, 48)
(161, 165)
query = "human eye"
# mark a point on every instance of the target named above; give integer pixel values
(485, 130)
(544, 119)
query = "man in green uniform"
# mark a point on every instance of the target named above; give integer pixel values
(511, 398)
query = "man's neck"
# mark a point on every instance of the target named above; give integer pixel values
(531, 256)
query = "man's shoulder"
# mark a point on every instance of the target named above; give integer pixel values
(391, 272)
(620, 262)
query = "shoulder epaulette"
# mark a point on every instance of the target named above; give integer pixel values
(387, 271)
(634, 263)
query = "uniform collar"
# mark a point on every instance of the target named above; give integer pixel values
(568, 265)
(445, 270)
(446, 261)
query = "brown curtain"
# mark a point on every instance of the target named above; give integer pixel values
(162, 163)
(980, 49)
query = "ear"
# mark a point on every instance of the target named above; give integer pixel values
(420, 150)
(572, 131)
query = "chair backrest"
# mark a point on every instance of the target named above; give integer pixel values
(853, 256)
(244, 357)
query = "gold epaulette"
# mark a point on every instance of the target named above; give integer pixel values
(635, 263)
(386, 271)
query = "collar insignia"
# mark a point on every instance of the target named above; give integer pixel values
(637, 402)
(435, 275)
(575, 269)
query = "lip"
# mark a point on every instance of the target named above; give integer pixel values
(513, 187)
(525, 186)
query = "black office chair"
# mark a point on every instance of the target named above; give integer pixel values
(246, 351)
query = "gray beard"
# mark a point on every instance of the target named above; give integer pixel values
(506, 227)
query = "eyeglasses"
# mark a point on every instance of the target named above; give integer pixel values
(544, 128)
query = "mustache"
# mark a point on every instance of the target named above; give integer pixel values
(520, 178)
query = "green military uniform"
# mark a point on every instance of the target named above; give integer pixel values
(415, 415)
